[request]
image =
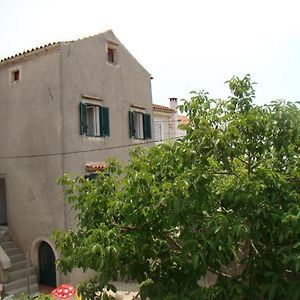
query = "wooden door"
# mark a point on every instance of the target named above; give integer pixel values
(47, 265)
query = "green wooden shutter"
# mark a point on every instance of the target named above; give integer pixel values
(104, 121)
(131, 124)
(147, 126)
(83, 118)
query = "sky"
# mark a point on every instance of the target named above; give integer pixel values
(185, 45)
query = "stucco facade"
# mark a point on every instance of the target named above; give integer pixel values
(166, 122)
(40, 118)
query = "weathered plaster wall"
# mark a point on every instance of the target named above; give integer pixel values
(30, 125)
(85, 70)
(40, 115)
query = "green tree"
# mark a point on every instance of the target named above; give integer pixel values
(223, 200)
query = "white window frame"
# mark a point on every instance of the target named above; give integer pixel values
(93, 120)
(158, 131)
(140, 119)
(139, 126)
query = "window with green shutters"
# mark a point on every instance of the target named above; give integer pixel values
(94, 120)
(139, 125)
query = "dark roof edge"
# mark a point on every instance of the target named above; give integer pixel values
(28, 53)
(46, 47)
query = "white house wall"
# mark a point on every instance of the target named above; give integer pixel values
(165, 122)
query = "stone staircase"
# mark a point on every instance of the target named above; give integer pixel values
(17, 282)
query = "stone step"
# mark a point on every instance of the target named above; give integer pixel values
(19, 283)
(7, 244)
(18, 265)
(34, 290)
(4, 237)
(4, 234)
(17, 277)
(16, 257)
(20, 273)
(12, 251)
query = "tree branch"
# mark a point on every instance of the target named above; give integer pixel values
(173, 242)
(241, 160)
(256, 251)
(218, 273)
(225, 173)
(123, 228)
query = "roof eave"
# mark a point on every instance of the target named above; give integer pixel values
(28, 54)
(160, 108)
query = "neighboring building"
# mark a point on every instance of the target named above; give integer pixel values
(166, 122)
(65, 108)
(182, 119)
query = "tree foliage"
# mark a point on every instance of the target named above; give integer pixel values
(223, 200)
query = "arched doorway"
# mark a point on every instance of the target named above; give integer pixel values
(47, 270)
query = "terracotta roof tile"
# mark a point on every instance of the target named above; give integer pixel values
(46, 46)
(29, 51)
(158, 107)
(183, 119)
(100, 166)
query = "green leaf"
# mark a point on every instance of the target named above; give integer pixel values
(195, 260)
(224, 197)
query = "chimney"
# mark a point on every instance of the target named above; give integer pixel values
(173, 103)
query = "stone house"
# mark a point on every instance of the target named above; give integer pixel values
(65, 108)
(166, 121)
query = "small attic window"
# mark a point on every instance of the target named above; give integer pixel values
(16, 75)
(112, 54)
